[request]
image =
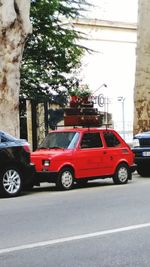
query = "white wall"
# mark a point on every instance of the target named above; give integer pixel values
(112, 63)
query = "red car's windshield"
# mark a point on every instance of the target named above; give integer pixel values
(60, 140)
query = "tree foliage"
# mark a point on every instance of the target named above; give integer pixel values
(51, 53)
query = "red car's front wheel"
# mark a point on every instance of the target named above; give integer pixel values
(65, 179)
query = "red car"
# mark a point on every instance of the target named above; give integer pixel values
(81, 154)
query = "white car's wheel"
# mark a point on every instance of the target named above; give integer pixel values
(10, 182)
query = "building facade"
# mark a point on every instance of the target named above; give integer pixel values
(110, 61)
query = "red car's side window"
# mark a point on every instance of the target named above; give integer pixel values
(111, 140)
(91, 140)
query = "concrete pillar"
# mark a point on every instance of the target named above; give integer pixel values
(40, 123)
(29, 123)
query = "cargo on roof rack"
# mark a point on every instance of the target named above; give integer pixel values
(83, 115)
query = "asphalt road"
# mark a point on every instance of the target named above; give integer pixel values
(99, 225)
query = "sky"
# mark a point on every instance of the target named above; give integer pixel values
(116, 10)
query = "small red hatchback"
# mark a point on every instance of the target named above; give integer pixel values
(81, 154)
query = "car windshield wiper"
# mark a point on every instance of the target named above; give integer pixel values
(53, 147)
(56, 147)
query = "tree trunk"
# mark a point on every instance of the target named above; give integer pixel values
(14, 28)
(142, 77)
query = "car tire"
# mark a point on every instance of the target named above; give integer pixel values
(143, 171)
(65, 179)
(122, 174)
(28, 187)
(10, 182)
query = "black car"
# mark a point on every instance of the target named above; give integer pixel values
(141, 149)
(16, 170)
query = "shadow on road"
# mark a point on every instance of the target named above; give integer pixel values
(46, 187)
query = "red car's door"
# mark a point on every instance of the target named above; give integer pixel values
(113, 151)
(89, 156)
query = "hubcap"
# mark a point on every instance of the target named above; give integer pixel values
(123, 174)
(67, 179)
(11, 181)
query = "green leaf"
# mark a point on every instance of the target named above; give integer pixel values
(51, 55)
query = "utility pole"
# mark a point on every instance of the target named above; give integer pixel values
(122, 99)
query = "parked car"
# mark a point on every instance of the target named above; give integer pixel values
(81, 154)
(141, 149)
(16, 170)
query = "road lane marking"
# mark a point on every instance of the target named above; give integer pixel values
(72, 238)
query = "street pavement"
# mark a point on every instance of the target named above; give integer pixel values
(99, 225)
